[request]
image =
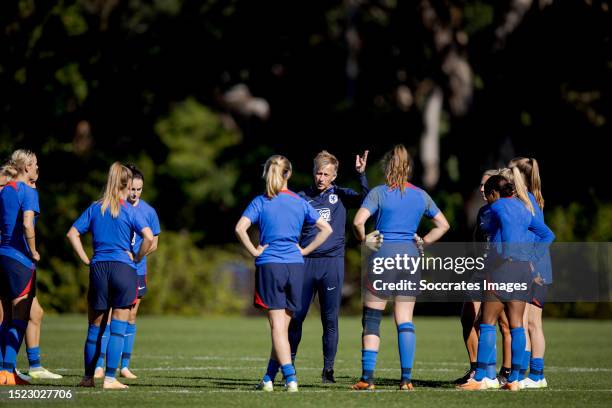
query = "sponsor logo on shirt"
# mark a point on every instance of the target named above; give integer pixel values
(325, 213)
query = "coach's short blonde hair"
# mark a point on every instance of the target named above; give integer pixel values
(323, 159)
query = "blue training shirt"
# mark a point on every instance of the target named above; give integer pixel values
(280, 220)
(15, 198)
(112, 237)
(150, 216)
(515, 226)
(331, 205)
(484, 227)
(398, 214)
(543, 266)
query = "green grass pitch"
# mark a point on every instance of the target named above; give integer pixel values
(216, 361)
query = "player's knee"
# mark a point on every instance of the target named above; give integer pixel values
(504, 327)
(36, 315)
(295, 324)
(298, 317)
(534, 326)
(330, 323)
(132, 318)
(371, 321)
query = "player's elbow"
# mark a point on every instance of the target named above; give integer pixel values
(72, 233)
(445, 226)
(239, 229)
(28, 225)
(358, 223)
(327, 229)
(442, 224)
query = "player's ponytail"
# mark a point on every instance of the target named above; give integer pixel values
(397, 166)
(520, 188)
(536, 183)
(8, 171)
(277, 171)
(119, 177)
(531, 172)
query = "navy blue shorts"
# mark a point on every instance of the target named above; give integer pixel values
(477, 277)
(511, 273)
(16, 279)
(112, 284)
(392, 280)
(538, 295)
(142, 285)
(279, 286)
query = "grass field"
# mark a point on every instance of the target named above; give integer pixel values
(216, 361)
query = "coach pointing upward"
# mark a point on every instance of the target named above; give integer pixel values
(324, 267)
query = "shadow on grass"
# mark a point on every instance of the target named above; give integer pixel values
(394, 382)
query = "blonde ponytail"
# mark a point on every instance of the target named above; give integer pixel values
(536, 183)
(521, 189)
(8, 171)
(531, 172)
(397, 165)
(277, 171)
(119, 177)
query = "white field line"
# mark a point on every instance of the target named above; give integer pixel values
(416, 369)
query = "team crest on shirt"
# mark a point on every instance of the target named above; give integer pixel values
(333, 198)
(325, 213)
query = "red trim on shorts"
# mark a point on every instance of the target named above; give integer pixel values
(28, 286)
(135, 297)
(536, 302)
(258, 302)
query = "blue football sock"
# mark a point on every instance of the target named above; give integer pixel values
(518, 350)
(115, 346)
(128, 345)
(491, 364)
(525, 365)
(89, 352)
(288, 373)
(536, 369)
(13, 339)
(272, 370)
(486, 350)
(368, 364)
(103, 346)
(406, 342)
(34, 357)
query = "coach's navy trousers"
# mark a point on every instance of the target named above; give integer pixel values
(323, 276)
